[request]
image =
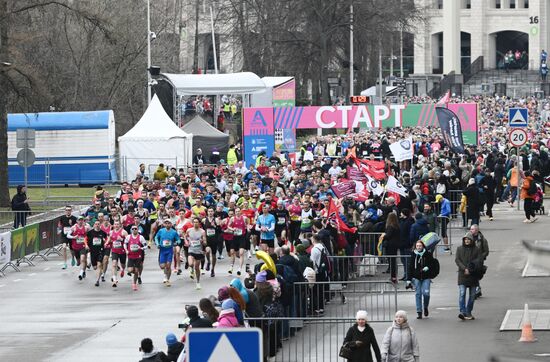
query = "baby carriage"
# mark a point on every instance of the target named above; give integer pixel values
(538, 200)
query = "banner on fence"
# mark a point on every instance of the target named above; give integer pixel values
(5, 247)
(48, 233)
(24, 241)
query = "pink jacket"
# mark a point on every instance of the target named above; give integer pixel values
(227, 319)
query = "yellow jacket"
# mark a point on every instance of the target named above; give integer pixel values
(463, 204)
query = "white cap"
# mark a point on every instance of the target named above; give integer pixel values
(361, 314)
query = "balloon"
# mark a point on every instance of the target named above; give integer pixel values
(263, 256)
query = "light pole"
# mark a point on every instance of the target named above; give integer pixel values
(351, 51)
(149, 36)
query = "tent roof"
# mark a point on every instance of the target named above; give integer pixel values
(199, 127)
(276, 81)
(155, 124)
(215, 84)
(60, 120)
(372, 90)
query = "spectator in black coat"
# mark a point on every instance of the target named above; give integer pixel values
(405, 224)
(150, 354)
(194, 320)
(290, 261)
(391, 242)
(20, 204)
(175, 347)
(419, 228)
(472, 198)
(360, 338)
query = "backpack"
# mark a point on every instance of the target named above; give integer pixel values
(532, 190)
(324, 269)
(436, 267)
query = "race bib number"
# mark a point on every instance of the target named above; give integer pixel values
(281, 221)
(195, 243)
(295, 218)
(80, 240)
(117, 244)
(238, 232)
(96, 241)
(66, 230)
(166, 243)
(134, 247)
(210, 232)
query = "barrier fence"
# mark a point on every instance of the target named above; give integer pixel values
(364, 266)
(343, 299)
(302, 339)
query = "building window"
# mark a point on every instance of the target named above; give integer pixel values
(439, 4)
(526, 4)
(512, 4)
(498, 4)
(468, 4)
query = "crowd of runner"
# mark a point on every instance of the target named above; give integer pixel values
(198, 215)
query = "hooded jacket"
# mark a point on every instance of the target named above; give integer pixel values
(400, 344)
(227, 319)
(18, 201)
(481, 243)
(419, 229)
(419, 262)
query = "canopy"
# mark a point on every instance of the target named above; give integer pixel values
(154, 139)
(215, 84)
(372, 91)
(207, 137)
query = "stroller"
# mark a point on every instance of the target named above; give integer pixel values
(538, 199)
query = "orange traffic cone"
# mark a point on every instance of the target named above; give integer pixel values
(527, 328)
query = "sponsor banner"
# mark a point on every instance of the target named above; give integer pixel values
(258, 133)
(285, 95)
(394, 185)
(47, 231)
(285, 140)
(451, 130)
(402, 150)
(5, 247)
(25, 241)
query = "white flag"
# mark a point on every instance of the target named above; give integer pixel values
(395, 186)
(402, 150)
(374, 186)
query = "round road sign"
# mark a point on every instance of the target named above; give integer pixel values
(518, 137)
(25, 157)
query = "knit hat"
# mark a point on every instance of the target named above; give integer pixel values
(471, 181)
(261, 277)
(223, 293)
(300, 249)
(361, 314)
(171, 339)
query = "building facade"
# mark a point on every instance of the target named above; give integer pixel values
(457, 32)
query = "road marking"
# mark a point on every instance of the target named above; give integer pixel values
(46, 269)
(32, 274)
(2, 286)
(17, 280)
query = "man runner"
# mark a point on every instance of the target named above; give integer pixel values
(95, 243)
(118, 254)
(77, 234)
(265, 224)
(238, 224)
(213, 236)
(197, 240)
(166, 239)
(135, 243)
(66, 222)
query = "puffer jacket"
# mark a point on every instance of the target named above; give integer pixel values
(417, 264)
(400, 344)
(227, 319)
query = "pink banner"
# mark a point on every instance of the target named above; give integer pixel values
(356, 174)
(343, 189)
(285, 92)
(258, 121)
(467, 114)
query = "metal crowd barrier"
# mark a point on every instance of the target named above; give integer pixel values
(365, 266)
(368, 242)
(343, 299)
(302, 339)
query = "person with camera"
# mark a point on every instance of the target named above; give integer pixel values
(467, 259)
(359, 340)
(422, 269)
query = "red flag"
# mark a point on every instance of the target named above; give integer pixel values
(372, 168)
(395, 195)
(363, 195)
(444, 100)
(334, 214)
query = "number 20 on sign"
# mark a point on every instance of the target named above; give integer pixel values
(518, 137)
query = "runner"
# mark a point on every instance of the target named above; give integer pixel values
(266, 225)
(238, 224)
(106, 227)
(213, 238)
(220, 215)
(66, 222)
(135, 244)
(78, 236)
(295, 211)
(282, 218)
(197, 240)
(166, 239)
(95, 243)
(174, 219)
(118, 254)
(228, 237)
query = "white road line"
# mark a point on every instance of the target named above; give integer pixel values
(46, 269)
(32, 274)
(2, 286)
(17, 280)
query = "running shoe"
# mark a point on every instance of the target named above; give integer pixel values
(122, 273)
(230, 271)
(134, 287)
(73, 262)
(212, 274)
(168, 283)
(139, 280)
(178, 272)
(97, 283)
(192, 274)
(114, 281)
(207, 266)
(79, 276)
(239, 272)
(84, 275)
(103, 278)
(198, 286)
(64, 266)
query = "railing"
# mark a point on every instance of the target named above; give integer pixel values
(444, 85)
(474, 68)
(366, 266)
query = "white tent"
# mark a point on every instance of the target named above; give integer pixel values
(154, 139)
(215, 84)
(372, 91)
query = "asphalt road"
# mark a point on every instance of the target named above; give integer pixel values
(47, 314)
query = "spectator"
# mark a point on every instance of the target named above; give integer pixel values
(194, 320)
(175, 347)
(208, 310)
(149, 353)
(20, 205)
(467, 256)
(391, 242)
(360, 338)
(422, 269)
(198, 159)
(419, 228)
(160, 174)
(400, 343)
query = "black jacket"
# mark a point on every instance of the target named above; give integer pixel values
(466, 256)
(405, 230)
(154, 357)
(363, 353)
(174, 351)
(392, 238)
(199, 322)
(417, 264)
(18, 201)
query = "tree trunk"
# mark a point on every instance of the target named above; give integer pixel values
(325, 91)
(196, 45)
(4, 188)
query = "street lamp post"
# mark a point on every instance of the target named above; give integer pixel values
(148, 52)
